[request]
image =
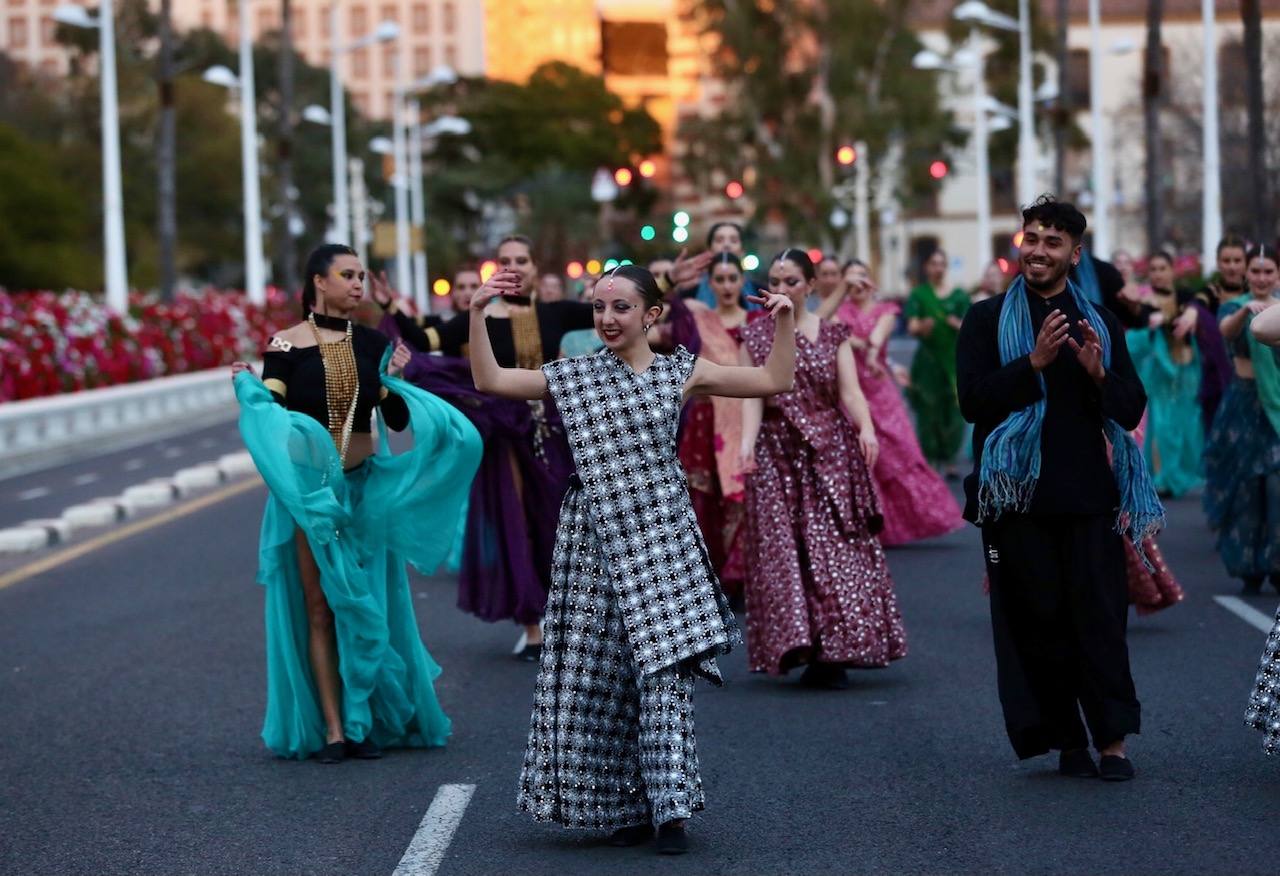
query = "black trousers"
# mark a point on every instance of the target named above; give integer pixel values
(1059, 611)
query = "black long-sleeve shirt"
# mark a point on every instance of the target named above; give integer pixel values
(555, 320)
(1075, 474)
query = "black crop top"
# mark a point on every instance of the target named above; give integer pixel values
(295, 376)
(452, 337)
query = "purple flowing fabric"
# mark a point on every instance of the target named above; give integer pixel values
(1215, 364)
(515, 498)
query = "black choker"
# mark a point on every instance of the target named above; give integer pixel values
(324, 321)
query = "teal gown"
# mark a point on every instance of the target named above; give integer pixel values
(362, 526)
(1174, 441)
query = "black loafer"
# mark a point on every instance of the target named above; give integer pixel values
(634, 835)
(1116, 769)
(363, 750)
(334, 752)
(825, 676)
(672, 839)
(531, 653)
(1078, 764)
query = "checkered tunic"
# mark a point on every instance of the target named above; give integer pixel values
(634, 611)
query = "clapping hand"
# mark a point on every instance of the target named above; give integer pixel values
(502, 283)
(1089, 354)
(1053, 333)
(399, 359)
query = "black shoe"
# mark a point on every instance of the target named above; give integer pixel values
(1115, 768)
(1077, 763)
(1252, 586)
(634, 835)
(364, 750)
(334, 752)
(531, 653)
(824, 676)
(672, 839)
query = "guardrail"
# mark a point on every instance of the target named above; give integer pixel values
(43, 428)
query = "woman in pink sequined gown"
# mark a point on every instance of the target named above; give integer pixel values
(914, 500)
(711, 439)
(819, 593)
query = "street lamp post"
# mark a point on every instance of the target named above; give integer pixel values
(384, 32)
(255, 281)
(980, 147)
(418, 209)
(116, 277)
(400, 181)
(1211, 218)
(1101, 155)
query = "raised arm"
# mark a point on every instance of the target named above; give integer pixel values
(738, 381)
(489, 376)
(1233, 323)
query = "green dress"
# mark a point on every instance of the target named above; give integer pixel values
(933, 374)
(1173, 445)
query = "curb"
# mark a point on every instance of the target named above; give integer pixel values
(33, 535)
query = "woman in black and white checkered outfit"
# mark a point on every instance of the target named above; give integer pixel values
(635, 610)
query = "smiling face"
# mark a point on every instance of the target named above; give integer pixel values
(1160, 272)
(727, 239)
(828, 277)
(1231, 265)
(342, 289)
(1046, 254)
(1262, 275)
(726, 283)
(620, 314)
(514, 255)
(786, 278)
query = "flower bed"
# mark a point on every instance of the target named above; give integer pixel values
(54, 342)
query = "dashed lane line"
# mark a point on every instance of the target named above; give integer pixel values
(1245, 612)
(52, 561)
(33, 493)
(85, 479)
(426, 849)
(134, 464)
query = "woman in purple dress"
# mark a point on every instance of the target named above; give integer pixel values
(914, 500)
(818, 588)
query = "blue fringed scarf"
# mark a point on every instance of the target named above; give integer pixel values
(1011, 455)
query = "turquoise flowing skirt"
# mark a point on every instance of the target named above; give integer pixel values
(362, 527)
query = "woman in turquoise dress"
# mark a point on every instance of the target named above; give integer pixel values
(347, 672)
(1168, 362)
(933, 317)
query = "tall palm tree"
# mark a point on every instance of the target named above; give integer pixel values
(1260, 206)
(1153, 78)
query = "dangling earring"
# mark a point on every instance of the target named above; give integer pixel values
(647, 326)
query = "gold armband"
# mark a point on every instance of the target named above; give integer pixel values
(275, 385)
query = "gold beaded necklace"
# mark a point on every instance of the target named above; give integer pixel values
(341, 382)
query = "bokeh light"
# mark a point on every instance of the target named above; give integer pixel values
(648, 168)
(593, 266)
(441, 286)
(680, 235)
(751, 262)
(733, 190)
(648, 232)
(487, 270)
(622, 176)
(846, 155)
(680, 219)
(815, 255)
(938, 169)
(574, 270)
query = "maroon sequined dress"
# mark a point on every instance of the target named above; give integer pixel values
(818, 587)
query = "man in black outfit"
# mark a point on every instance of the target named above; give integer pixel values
(1059, 600)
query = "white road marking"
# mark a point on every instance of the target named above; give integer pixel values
(172, 452)
(426, 849)
(33, 493)
(1245, 612)
(134, 464)
(208, 442)
(84, 479)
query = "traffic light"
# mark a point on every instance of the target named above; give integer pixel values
(938, 169)
(846, 155)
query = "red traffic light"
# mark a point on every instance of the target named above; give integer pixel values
(938, 169)
(846, 155)
(734, 190)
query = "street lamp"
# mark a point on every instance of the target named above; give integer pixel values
(115, 269)
(255, 273)
(384, 32)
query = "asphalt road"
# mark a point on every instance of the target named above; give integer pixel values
(131, 688)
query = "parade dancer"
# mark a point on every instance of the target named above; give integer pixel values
(511, 518)
(711, 440)
(819, 593)
(914, 500)
(347, 673)
(1168, 363)
(933, 316)
(635, 612)
(1242, 458)
(1228, 281)
(1046, 497)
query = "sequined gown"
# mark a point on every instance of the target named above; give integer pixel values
(818, 586)
(634, 612)
(914, 500)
